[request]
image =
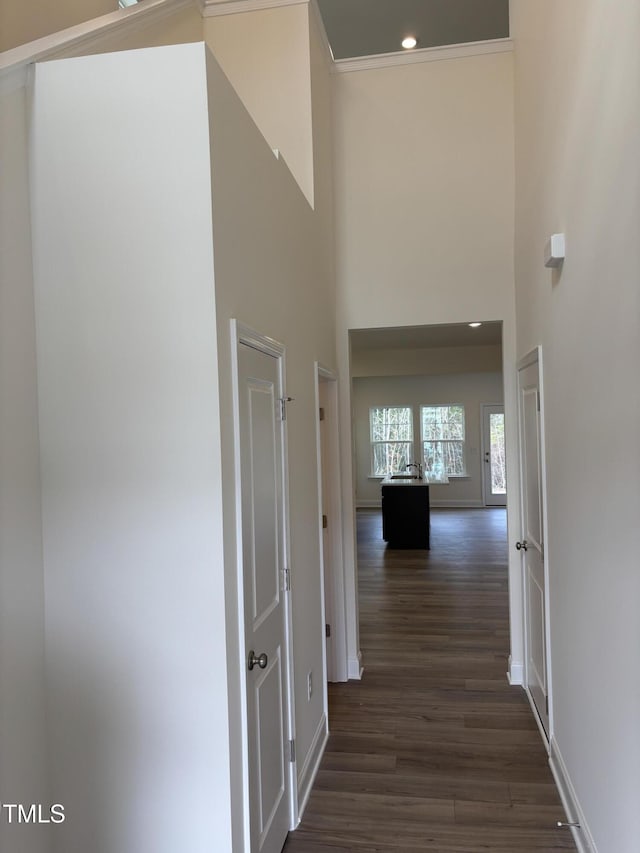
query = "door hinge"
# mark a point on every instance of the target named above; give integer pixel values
(325, 522)
(292, 751)
(538, 399)
(327, 630)
(321, 413)
(286, 580)
(283, 406)
(546, 703)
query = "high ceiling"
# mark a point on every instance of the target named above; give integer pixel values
(357, 28)
(426, 337)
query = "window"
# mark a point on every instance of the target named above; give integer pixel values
(443, 440)
(391, 430)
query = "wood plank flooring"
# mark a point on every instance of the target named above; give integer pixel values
(433, 750)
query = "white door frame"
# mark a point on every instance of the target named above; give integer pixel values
(531, 358)
(242, 334)
(333, 598)
(486, 446)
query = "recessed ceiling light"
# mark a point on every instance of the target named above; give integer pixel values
(475, 325)
(408, 42)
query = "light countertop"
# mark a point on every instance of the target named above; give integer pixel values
(427, 480)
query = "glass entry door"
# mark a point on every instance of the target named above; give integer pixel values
(493, 456)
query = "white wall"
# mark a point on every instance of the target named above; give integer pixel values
(424, 222)
(130, 448)
(265, 55)
(468, 389)
(22, 716)
(577, 140)
(424, 190)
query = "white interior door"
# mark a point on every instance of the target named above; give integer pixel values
(531, 545)
(494, 456)
(263, 558)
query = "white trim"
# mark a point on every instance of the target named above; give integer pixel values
(427, 54)
(215, 8)
(242, 334)
(334, 594)
(531, 358)
(248, 336)
(581, 835)
(485, 443)
(467, 503)
(77, 39)
(545, 543)
(325, 605)
(516, 672)
(311, 765)
(356, 668)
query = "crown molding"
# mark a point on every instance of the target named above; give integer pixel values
(75, 40)
(427, 54)
(214, 8)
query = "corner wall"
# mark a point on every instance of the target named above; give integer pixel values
(577, 140)
(23, 771)
(130, 450)
(272, 275)
(265, 55)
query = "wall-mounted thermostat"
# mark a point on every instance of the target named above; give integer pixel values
(554, 251)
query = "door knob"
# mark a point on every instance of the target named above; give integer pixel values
(522, 546)
(260, 661)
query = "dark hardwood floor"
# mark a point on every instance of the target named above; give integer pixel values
(433, 750)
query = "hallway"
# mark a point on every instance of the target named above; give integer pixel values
(433, 750)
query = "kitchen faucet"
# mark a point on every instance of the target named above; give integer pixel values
(418, 468)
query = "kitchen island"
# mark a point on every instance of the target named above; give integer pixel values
(405, 510)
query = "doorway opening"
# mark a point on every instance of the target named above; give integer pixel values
(420, 397)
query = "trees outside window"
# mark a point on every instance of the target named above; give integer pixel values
(443, 439)
(391, 430)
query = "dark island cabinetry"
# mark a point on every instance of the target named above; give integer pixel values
(405, 515)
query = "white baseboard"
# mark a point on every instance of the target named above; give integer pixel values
(311, 764)
(355, 667)
(515, 675)
(459, 504)
(581, 834)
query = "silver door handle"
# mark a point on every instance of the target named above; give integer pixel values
(260, 661)
(522, 546)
